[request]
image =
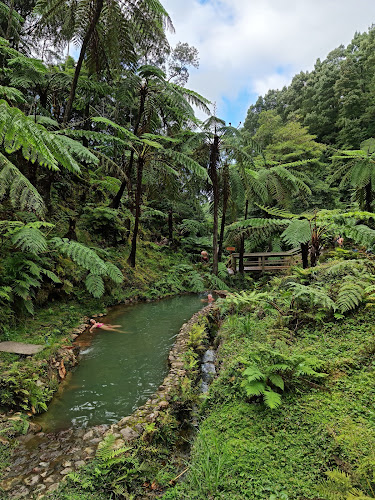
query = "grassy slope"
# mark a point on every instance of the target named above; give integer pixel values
(244, 450)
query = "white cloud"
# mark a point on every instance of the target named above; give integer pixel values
(254, 45)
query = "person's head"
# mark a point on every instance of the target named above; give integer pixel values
(92, 321)
(209, 297)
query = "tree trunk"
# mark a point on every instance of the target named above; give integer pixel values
(86, 40)
(10, 20)
(170, 226)
(368, 197)
(225, 203)
(305, 255)
(214, 157)
(71, 234)
(241, 266)
(138, 201)
(117, 199)
(315, 246)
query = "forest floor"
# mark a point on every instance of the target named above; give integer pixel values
(245, 450)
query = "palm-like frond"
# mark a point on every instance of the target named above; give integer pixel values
(22, 193)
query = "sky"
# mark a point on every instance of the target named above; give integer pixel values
(247, 47)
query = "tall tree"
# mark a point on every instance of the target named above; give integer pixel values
(106, 31)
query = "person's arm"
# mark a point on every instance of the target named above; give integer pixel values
(92, 328)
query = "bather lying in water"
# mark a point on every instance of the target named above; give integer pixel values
(103, 326)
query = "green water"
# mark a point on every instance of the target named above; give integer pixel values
(118, 371)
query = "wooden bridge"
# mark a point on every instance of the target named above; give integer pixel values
(265, 261)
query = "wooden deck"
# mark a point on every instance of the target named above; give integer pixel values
(265, 261)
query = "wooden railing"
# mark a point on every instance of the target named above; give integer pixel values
(265, 261)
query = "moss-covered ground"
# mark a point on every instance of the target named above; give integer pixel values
(245, 450)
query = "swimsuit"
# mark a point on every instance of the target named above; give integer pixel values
(99, 325)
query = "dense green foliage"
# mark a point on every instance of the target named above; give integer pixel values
(110, 188)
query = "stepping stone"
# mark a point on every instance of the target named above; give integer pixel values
(20, 348)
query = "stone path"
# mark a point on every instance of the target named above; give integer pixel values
(21, 348)
(41, 460)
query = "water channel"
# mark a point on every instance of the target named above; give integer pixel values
(119, 370)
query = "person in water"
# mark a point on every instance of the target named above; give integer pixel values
(209, 299)
(103, 326)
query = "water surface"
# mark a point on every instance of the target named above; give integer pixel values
(119, 371)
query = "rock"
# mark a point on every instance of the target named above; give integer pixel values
(7, 484)
(21, 492)
(53, 487)
(124, 421)
(80, 463)
(89, 451)
(32, 480)
(95, 441)
(129, 434)
(40, 488)
(209, 356)
(73, 336)
(50, 479)
(34, 428)
(68, 463)
(88, 435)
(43, 464)
(66, 471)
(139, 428)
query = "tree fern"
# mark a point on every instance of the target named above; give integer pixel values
(29, 238)
(94, 284)
(313, 296)
(22, 193)
(350, 295)
(298, 231)
(82, 255)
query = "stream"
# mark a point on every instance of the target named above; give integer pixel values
(118, 372)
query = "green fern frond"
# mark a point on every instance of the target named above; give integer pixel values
(271, 398)
(29, 239)
(82, 255)
(21, 192)
(314, 296)
(114, 273)
(351, 294)
(298, 231)
(11, 94)
(95, 285)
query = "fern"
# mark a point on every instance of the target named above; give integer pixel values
(339, 486)
(313, 296)
(21, 192)
(82, 255)
(94, 284)
(350, 295)
(29, 238)
(298, 231)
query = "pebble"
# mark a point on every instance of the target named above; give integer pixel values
(32, 481)
(66, 471)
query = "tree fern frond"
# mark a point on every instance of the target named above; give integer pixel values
(350, 296)
(271, 399)
(82, 255)
(11, 94)
(114, 273)
(94, 284)
(298, 231)
(315, 296)
(30, 239)
(21, 192)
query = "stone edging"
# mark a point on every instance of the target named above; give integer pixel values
(132, 426)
